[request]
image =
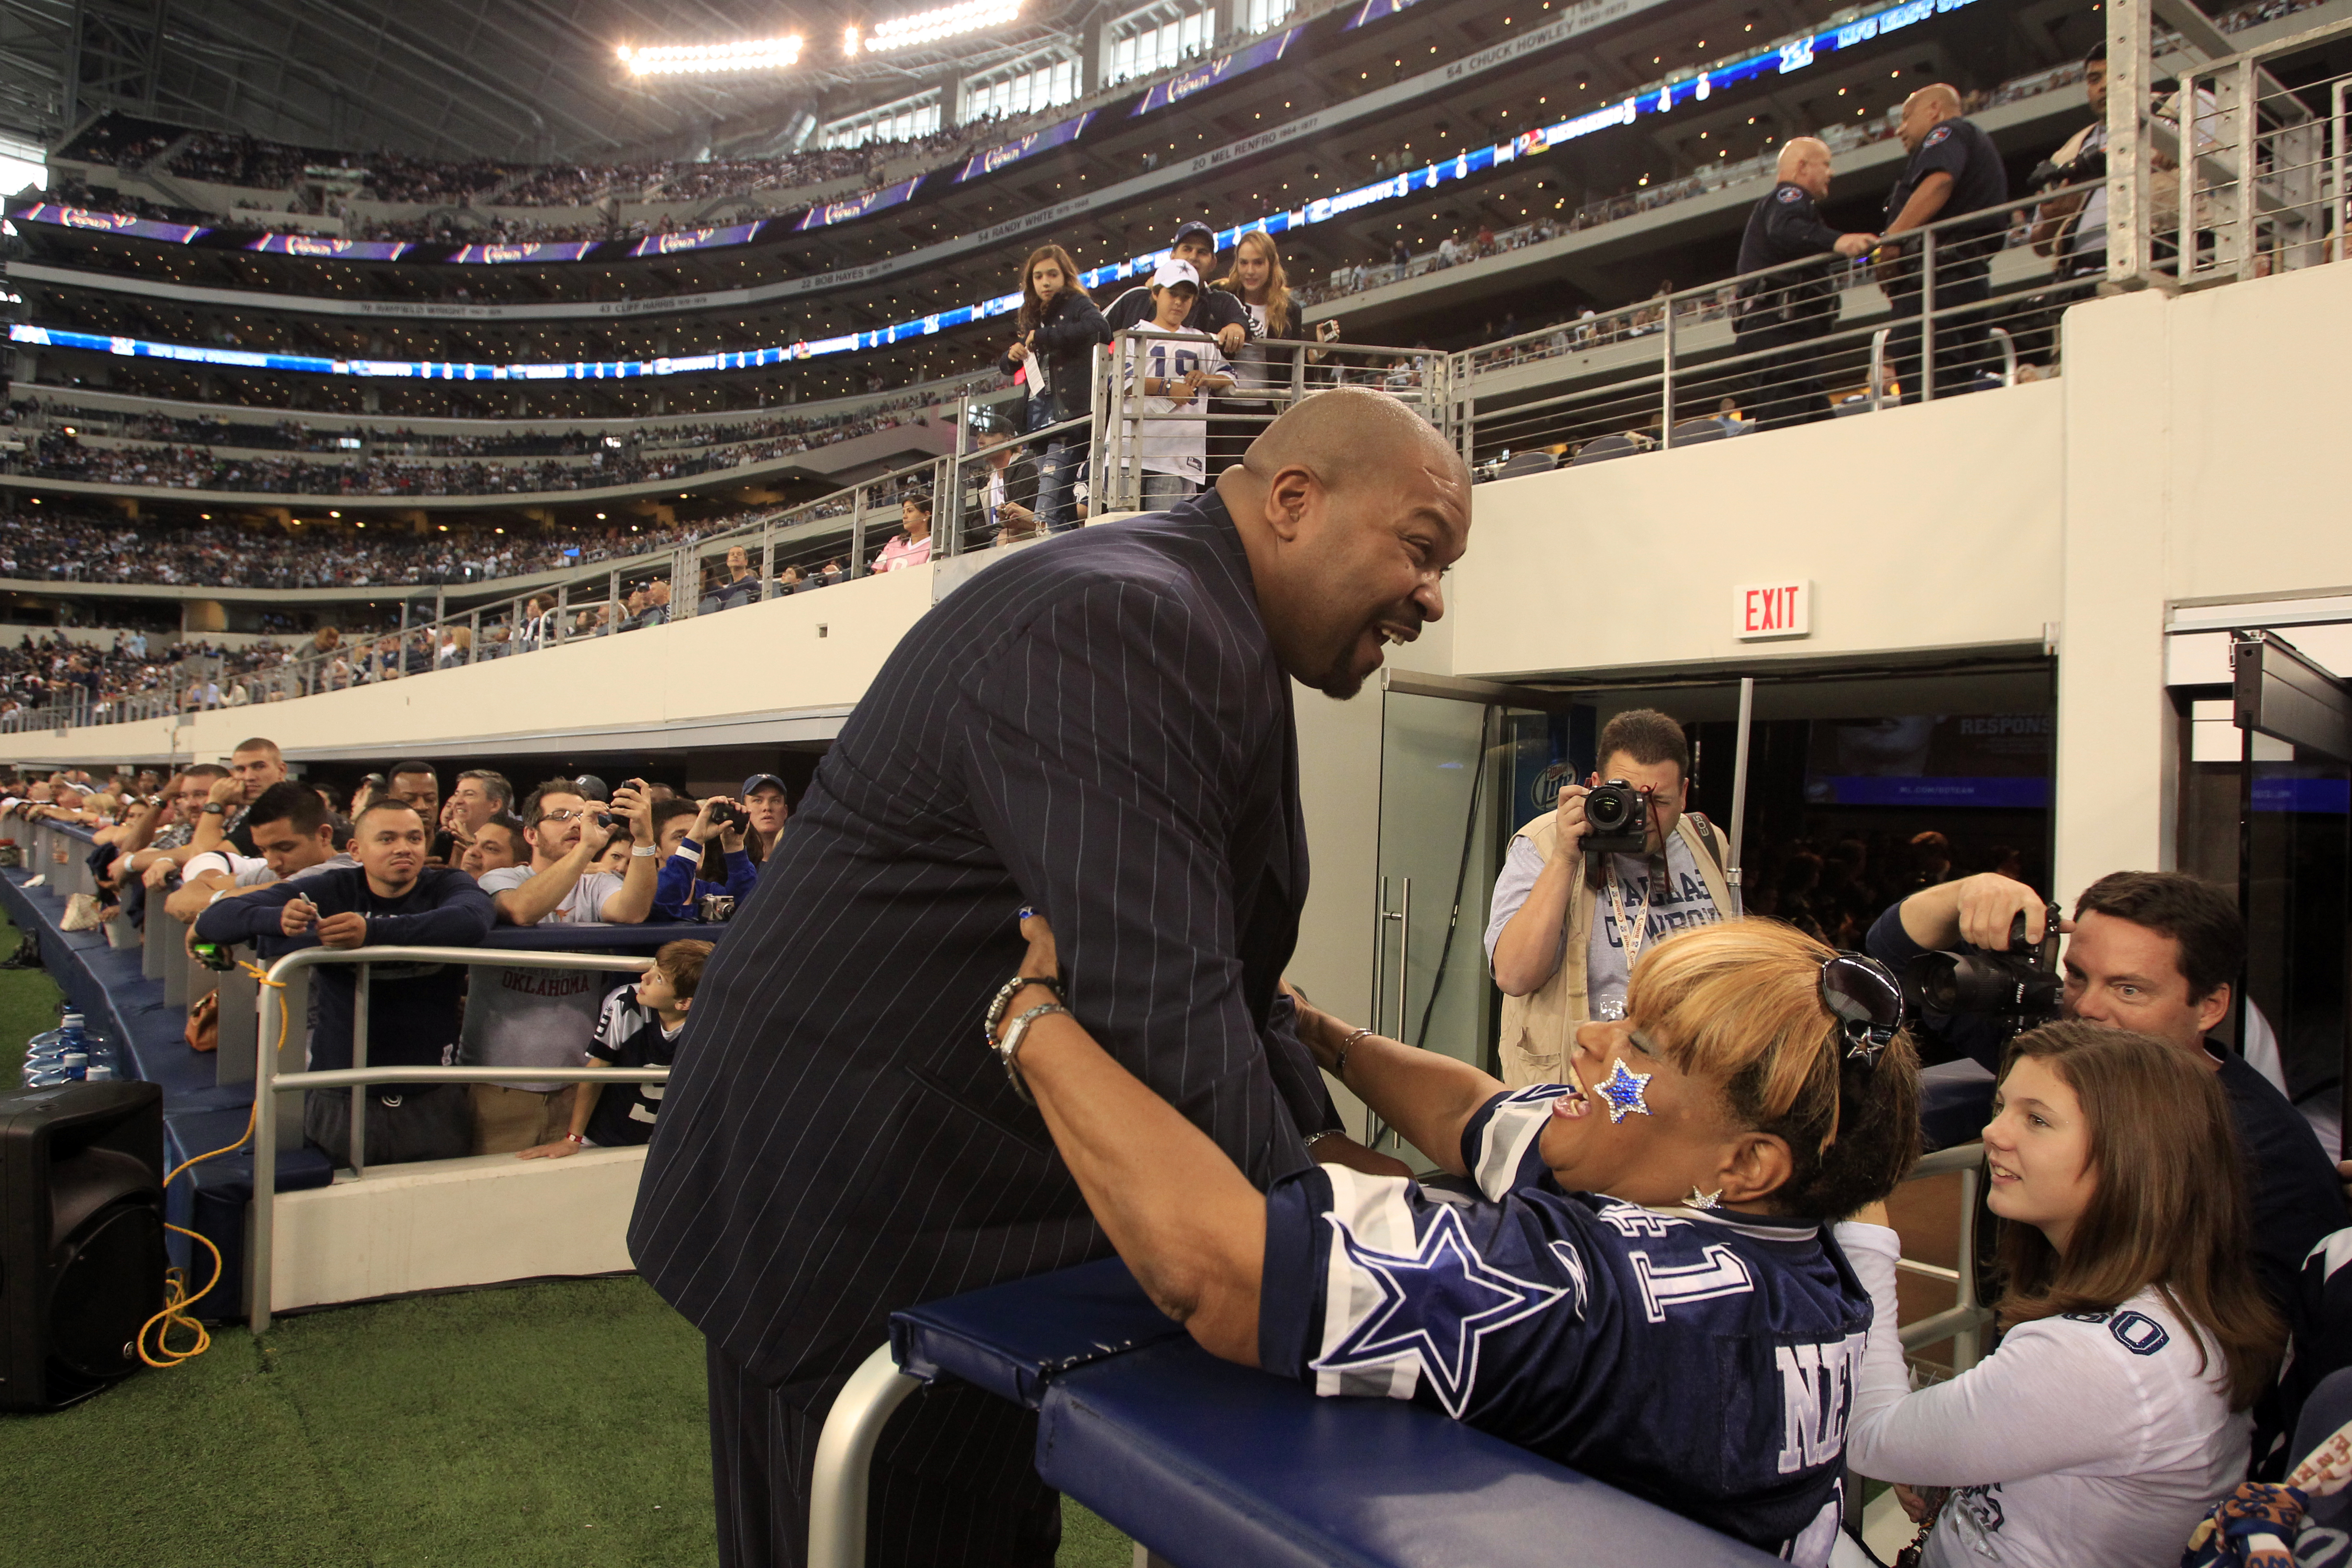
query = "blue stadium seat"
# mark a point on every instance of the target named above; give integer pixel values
(1206, 1462)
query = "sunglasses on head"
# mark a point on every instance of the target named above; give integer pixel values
(1867, 1002)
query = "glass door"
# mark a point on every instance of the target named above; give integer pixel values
(1448, 753)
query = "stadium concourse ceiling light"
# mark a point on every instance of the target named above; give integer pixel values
(930, 27)
(698, 60)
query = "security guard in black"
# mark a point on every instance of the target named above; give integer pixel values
(1790, 308)
(1957, 149)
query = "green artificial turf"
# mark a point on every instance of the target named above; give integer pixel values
(556, 1424)
(28, 1004)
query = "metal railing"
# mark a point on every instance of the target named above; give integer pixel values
(1145, 439)
(1965, 1321)
(2265, 191)
(269, 1082)
(1956, 307)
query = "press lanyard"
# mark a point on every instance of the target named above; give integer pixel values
(1634, 935)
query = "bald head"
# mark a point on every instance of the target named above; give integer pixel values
(1805, 163)
(1350, 507)
(1349, 435)
(1924, 109)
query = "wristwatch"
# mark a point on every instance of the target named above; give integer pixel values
(1004, 999)
(1009, 1048)
(215, 808)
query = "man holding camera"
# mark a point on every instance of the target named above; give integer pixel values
(545, 1017)
(2157, 952)
(682, 892)
(1587, 886)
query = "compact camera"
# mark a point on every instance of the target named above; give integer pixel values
(715, 909)
(1616, 819)
(2022, 988)
(731, 815)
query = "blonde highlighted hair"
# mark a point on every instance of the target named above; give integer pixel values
(1739, 1005)
(1277, 281)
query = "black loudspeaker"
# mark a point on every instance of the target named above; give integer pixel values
(81, 1237)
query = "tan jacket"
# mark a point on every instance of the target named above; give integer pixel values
(1536, 1028)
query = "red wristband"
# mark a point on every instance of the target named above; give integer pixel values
(575, 1137)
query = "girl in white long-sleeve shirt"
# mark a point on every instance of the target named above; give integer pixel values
(2113, 1414)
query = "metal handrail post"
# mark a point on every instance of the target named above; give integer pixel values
(857, 533)
(1927, 314)
(563, 612)
(1667, 380)
(363, 994)
(400, 648)
(840, 1486)
(767, 554)
(267, 1079)
(2249, 138)
(474, 637)
(950, 505)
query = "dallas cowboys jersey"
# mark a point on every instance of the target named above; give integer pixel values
(1705, 1363)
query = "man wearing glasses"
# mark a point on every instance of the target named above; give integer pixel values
(1565, 928)
(527, 1018)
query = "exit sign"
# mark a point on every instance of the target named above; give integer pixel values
(1782, 609)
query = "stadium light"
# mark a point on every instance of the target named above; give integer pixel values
(930, 27)
(695, 59)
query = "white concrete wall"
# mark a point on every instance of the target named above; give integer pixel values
(1921, 529)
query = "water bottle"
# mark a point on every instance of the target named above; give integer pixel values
(104, 1066)
(47, 1077)
(43, 1049)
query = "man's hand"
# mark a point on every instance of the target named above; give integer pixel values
(705, 818)
(1853, 245)
(632, 806)
(158, 873)
(555, 1151)
(1232, 337)
(1568, 826)
(225, 791)
(1990, 901)
(297, 917)
(348, 929)
(1338, 1149)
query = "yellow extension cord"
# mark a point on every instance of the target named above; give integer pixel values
(176, 1299)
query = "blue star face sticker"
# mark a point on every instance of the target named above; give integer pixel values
(1622, 1090)
(1435, 1306)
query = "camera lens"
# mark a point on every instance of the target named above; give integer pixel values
(1605, 809)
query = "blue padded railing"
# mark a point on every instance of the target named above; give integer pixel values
(1204, 1462)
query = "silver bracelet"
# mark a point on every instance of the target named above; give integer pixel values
(1315, 1138)
(994, 1016)
(1339, 1065)
(1009, 1048)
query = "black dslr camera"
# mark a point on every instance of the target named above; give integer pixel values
(2022, 988)
(1616, 819)
(729, 815)
(2089, 165)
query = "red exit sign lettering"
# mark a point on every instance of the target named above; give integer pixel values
(1762, 610)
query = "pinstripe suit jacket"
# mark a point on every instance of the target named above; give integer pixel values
(1097, 726)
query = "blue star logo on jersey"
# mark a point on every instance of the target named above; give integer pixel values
(1622, 1090)
(1436, 1306)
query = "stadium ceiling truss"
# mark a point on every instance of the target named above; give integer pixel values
(535, 79)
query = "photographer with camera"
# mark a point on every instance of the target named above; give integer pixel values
(682, 890)
(2074, 226)
(526, 1018)
(2154, 951)
(1586, 887)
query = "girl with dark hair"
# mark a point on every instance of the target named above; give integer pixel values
(1056, 336)
(2115, 1411)
(1633, 1275)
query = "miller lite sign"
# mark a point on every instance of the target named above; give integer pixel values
(1760, 611)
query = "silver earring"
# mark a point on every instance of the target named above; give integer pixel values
(1699, 1200)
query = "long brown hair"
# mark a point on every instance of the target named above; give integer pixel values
(1033, 309)
(1278, 282)
(2167, 1206)
(1740, 1003)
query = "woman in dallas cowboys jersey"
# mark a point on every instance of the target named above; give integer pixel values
(1642, 1287)
(2113, 1414)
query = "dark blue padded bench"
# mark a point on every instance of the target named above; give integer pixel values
(1206, 1462)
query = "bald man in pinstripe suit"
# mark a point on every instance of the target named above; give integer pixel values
(1100, 727)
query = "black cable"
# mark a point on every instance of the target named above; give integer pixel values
(1461, 876)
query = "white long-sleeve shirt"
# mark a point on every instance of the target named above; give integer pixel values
(2089, 1438)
